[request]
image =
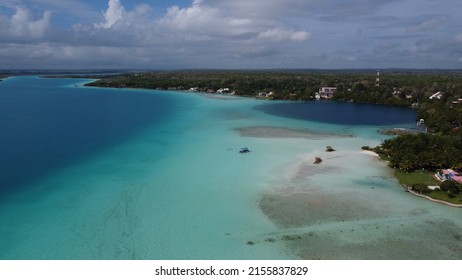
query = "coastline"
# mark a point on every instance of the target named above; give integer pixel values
(371, 153)
(433, 199)
(408, 189)
(339, 210)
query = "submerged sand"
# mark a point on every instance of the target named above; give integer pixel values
(337, 210)
(282, 132)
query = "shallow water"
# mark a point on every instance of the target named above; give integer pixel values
(351, 207)
(173, 185)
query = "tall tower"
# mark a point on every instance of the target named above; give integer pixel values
(377, 79)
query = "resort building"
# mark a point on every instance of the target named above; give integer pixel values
(437, 95)
(326, 93)
(448, 174)
(458, 101)
(268, 95)
(223, 90)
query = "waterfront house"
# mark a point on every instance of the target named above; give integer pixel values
(268, 95)
(448, 174)
(223, 90)
(437, 95)
(326, 93)
(458, 101)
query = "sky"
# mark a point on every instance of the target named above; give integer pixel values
(230, 34)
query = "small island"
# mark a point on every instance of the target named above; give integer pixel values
(330, 149)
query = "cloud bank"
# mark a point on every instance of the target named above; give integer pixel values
(23, 24)
(231, 34)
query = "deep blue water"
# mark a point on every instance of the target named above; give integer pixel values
(45, 125)
(341, 113)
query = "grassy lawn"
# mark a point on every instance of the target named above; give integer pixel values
(418, 177)
(444, 196)
(426, 178)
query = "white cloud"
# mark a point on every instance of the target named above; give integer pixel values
(282, 34)
(24, 24)
(200, 21)
(299, 36)
(200, 26)
(113, 14)
(209, 22)
(217, 33)
(299, 8)
(427, 24)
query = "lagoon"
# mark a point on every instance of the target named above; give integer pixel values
(92, 173)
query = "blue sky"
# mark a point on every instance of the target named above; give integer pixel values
(182, 34)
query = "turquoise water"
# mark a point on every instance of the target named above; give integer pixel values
(141, 174)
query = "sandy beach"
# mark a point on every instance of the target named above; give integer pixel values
(371, 153)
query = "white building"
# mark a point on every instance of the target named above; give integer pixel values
(326, 93)
(437, 95)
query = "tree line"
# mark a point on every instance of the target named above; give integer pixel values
(410, 152)
(395, 88)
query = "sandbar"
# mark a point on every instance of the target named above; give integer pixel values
(282, 132)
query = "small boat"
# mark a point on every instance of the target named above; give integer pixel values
(244, 150)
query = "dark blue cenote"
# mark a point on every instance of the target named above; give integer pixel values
(341, 113)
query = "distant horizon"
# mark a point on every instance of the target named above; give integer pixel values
(127, 70)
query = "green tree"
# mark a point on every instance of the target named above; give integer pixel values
(451, 187)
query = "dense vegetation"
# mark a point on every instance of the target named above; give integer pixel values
(396, 88)
(441, 147)
(410, 152)
(284, 84)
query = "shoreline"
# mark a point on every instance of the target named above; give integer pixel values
(408, 189)
(433, 199)
(371, 153)
(326, 211)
